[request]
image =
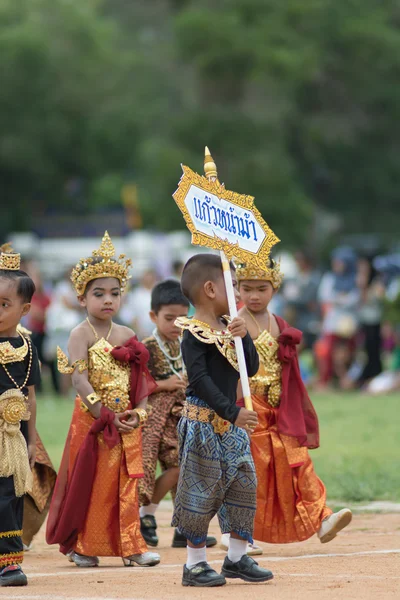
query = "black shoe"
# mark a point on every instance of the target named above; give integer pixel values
(179, 540)
(202, 575)
(12, 576)
(247, 569)
(148, 526)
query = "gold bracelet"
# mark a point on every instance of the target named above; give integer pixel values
(142, 415)
(92, 398)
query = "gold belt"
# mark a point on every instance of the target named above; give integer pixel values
(270, 389)
(205, 415)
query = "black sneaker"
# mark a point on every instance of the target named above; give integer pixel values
(202, 575)
(148, 526)
(247, 569)
(12, 576)
(179, 540)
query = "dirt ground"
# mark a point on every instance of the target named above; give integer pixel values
(362, 563)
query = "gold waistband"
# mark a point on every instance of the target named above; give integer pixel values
(205, 415)
(262, 387)
(14, 453)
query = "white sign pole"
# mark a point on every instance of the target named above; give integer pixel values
(210, 170)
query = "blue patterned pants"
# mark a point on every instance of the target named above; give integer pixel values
(217, 476)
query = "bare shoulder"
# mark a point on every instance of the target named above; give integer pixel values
(81, 331)
(243, 313)
(275, 329)
(249, 322)
(123, 333)
(79, 340)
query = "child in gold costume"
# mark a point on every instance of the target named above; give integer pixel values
(19, 373)
(95, 511)
(291, 499)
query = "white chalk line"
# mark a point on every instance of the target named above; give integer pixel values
(267, 559)
(52, 597)
(348, 577)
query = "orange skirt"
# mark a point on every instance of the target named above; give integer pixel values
(290, 497)
(112, 525)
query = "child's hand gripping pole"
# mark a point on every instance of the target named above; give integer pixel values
(210, 170)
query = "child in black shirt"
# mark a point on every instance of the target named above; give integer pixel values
(217, 473)
(19, 373)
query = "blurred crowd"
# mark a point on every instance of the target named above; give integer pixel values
(349, 315)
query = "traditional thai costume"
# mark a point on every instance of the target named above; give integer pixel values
(160, 436)
(95, 510)
(217, 472)
(291, 499)
(19, 369)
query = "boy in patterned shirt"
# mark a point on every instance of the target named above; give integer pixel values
(160, 437)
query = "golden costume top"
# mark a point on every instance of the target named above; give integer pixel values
(267, 381)
(109, 378)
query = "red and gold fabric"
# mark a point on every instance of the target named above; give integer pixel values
(291, 499)
(95, 508)
(37, 502)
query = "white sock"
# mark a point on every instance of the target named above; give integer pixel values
(237, 549)
(150, 509)
(195, 556)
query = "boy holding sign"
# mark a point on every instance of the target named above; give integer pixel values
(217, 473)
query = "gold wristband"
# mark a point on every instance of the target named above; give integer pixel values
(142, 415)
(93, 398)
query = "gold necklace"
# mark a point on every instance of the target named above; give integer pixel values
(9, 354)
(95, 332)
(20, 387)
(257, 323)
(216, 331)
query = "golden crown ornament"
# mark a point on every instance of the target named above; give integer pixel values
(250, 273)
(9, 260)
(102, 263)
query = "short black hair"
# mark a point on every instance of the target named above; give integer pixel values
(25, 286)
(199, 269)
(166, 293)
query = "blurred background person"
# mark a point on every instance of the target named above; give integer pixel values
(339, 298)
(36, 322)
(177, 268)
(135, 312)
(301, 295)
(370, 313)
(63, 314)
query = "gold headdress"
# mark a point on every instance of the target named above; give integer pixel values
(102, 263)
(249, 273)
(9, 260)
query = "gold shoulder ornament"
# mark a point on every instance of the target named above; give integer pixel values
(222, 339)
(63, 363)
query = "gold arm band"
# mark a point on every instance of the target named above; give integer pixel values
(142, 415)
(63, 364)
(93, 398)
(80, 364)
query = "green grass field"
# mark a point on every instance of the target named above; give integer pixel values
(359, 457)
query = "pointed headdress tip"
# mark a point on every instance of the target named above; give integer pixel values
(210, 168)
(106, 249)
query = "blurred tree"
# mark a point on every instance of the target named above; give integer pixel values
(298, 102)
(63, 115)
